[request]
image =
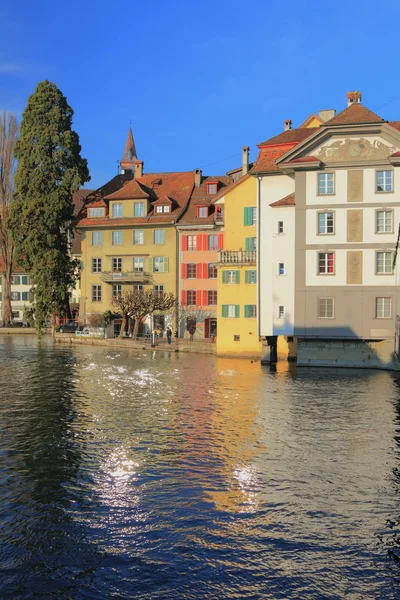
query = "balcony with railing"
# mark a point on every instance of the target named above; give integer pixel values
(237, 257)
(125, 277)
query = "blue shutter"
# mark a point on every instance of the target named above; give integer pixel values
(247, 216)
(237, 311)
(224, 310)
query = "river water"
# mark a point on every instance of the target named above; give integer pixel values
(176, 476)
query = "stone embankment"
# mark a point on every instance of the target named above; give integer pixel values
(182, 345)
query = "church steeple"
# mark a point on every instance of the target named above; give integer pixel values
(129, 161)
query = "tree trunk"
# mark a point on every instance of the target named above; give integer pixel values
(136, 328)
(8, 268)
(123, 326)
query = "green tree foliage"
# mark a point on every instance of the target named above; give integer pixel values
(50, 169)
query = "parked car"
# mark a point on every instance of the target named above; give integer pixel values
(69, 327)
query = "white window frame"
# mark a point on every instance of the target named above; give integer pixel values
(326, 263)
(96, 293)
(115, 237)
(161, 233)
(324, 227)
(192, 243)
(231, 277)
(326, 305)
(230, 311)
(139, 239)
(97, 238)
(384, 262)
(138, 207)
(382, 304)
(116, 263)
(386, 182)
(325, 184)
(96, 212)
(386, 225)
(138, 264)
(96, 265)
(117, 208)
(116, 289)
(160, 262)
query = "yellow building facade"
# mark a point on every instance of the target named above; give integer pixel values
(237, 272)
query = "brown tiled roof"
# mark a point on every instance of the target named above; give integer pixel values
(395, 124)
(237, 169)
(177, 186)
(286, 201)
(131, 190)
(266, 160)
(78, 199)
(355, 113)
(291, 136)
(201, 198)
(96, 198)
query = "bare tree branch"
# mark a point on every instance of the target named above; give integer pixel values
(8, 137)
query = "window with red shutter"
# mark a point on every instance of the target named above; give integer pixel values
(184, 242)
(198, 298)
(183, 296)
(183, 271)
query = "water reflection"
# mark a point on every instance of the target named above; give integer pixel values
(172, 476)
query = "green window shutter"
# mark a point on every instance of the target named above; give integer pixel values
(248, 244)
(247, 276)
(17, 280)
(1, 296)
(18, 296)
(237, 311)
(255, 276)
(150, 264)
(166, 264)
(24, 279)
(247, 216)
(224, 277)
(237, 276)
(246, 310)
(224, 310)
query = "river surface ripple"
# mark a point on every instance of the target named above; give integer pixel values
(176, 476)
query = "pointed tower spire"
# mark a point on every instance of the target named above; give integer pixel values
(130, 161)
(127, 161)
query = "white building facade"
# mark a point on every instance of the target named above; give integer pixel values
(347, 212)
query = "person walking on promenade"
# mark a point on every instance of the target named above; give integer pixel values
(169, 335)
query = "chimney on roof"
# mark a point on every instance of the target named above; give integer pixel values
(138, 169)
(197, 177)
(287, 124)
(245, 159)
(353, 98)
(326, 115)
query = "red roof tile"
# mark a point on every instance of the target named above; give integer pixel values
(395, 124)
(286, 201)
(266, 160)
(131, 190)
(291, 136)
(177, 186)
(201, 198)
(303, 159)
(78, 199)
(355, 113)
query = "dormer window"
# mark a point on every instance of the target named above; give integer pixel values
(202, 211)
(163, 208)
(212, 188)
(96, 212)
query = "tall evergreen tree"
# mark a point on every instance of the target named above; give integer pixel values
(50, 169)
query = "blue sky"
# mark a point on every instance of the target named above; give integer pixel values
(198, 79)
